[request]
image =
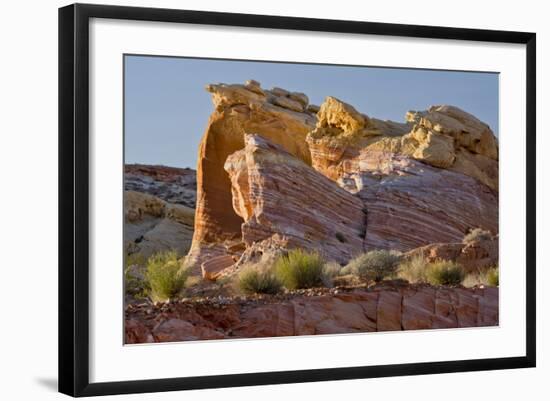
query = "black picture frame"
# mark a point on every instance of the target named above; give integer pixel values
(74, 200)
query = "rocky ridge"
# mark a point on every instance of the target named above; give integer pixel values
(386, 307)
(171, 184)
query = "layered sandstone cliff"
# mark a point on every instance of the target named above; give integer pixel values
(336, 180)
(428, 180)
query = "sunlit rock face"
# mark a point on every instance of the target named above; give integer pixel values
(240, 109)
(429, 180)
(404, 185)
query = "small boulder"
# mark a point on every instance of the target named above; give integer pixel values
(288, 103)
(254, 86)
(279, 92)
(335, 113)
(212, 268)
(300, 97)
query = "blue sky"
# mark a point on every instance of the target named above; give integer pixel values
(167, 108)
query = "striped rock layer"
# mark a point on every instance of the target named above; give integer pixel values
(378, 309)
(279, 196)
(308, 176)
(240, 109)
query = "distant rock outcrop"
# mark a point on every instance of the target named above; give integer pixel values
(428, 180)
(159, 210)
(152, 225)
(171, 184)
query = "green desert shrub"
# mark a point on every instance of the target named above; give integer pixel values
(414, 269)
(487, 277)
(477, 234)
(300, 269)
(491, 277)
(256, 280)
(444, 272)
(165, 276)
(374, 265)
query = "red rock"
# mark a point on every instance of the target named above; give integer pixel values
(418, 309)
(444, 313)
(416, 205)
(378, 309)
(213, 267)
(488, 307)
(472, 256)
(137, 333)
(266, 321)
(389, 311)
(180, 330)
(466, 306)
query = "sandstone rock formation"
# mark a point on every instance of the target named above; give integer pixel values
(239, 109)
(382, 308)
(428, 180)
(473, 256)
(213, 267)
(421, 182)
(152, 225)
(279, 196)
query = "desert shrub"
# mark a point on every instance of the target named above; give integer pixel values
(413, 270)
(165, 276)
(487, 277)
(255, 280)
(477, 234)
(331, 270)
(374, 265)
(491, 277)
(135, 259)
(444, 272)
(300, 269)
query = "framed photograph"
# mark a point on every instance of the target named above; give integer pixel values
(251, 199)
